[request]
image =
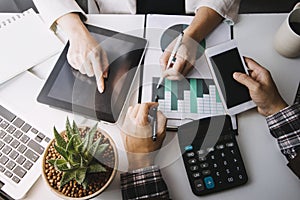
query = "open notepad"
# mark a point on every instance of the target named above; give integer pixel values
(24, 42)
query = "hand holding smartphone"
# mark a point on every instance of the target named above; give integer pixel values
(223, 60)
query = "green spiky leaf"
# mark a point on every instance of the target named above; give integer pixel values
(70, 145)
(96, 168)
(91, 134)
(75, 128)
(93, 149)
(67, 177)
(85, 183)
(80, 175)
(61, 151)
(62, 165)
(51, 161)
(69, 129)
(59, 139)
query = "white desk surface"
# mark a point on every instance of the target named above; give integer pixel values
(269, 178)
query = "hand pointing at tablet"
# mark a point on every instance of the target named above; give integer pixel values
(84, 53)
(262, 88)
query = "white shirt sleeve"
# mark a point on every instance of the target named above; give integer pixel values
(51, 10)
(226, 8)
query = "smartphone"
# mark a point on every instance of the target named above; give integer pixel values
(223, 60)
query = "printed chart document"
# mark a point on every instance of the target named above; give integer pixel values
(25, 41)
(193, 97)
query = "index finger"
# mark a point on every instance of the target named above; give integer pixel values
(95, 60)
(142, 115)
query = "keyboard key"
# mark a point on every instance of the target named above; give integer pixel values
(24, 139)
(7, 114)
(11, 129)
(41, 135)
(13, 155)
(18, 122)
(16, 179)
(2, 169)
(47, 139)
(2, 134)
(6, 150)
(204, 165)
(8, 139)
(206, 172)
(19, 171)
(8, 174)
(36, 147)
(26, 128)
(27, 165)
(15, 143)
(4, 124)
(31, 155)
(33, 130)
(10, 165)
(20, 160)
(18, 134)
(22, 148)
(3, 160)
(190, 154)
(1, 144)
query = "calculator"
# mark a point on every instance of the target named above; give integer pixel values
(211, 155)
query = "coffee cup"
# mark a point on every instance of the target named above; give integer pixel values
(287, 38)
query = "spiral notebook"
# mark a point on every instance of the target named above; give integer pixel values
(25, 41)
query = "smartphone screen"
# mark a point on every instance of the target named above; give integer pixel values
(225, 64)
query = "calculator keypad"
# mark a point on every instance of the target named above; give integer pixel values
(214, 168)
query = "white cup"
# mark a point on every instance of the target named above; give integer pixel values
(287, 38)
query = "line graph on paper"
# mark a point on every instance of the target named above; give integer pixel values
(190, 98)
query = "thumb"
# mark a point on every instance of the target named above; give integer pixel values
(244, 79)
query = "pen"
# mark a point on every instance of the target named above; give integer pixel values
(154, 120)
(172, 56)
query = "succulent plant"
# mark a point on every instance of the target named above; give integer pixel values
(77, 154)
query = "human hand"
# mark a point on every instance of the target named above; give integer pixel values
(87, 56)
(136, 134)
(185, 58)
(262, 88)
(84, 54)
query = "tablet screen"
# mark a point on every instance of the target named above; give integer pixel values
(225, 64)
(68, 89)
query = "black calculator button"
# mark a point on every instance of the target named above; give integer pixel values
(196, 175)
(212, 157)
(199, 185)
(210, 149)
(194, 168)
(190, 154)
(225, 163)
(206, 172)
(188, 148)
(192, 161)
(227, 171)
(215, 165)
(209, 182)
(220, 146)
(202, 158)
(222, 154)
(204, 165)
(229, 144)
(230, 179)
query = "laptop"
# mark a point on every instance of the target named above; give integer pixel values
(25, 131)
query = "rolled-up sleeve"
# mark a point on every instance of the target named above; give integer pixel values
(226, 8)
(51, 10)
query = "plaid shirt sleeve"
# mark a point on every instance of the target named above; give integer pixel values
(285, 126)
(145, 183)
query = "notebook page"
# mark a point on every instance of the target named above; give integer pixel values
(24, 42)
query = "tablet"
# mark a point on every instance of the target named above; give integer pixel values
(223, 60)
(68, 89)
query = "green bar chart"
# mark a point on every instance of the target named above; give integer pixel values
(189, 98)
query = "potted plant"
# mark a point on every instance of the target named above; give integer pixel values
(79, 162)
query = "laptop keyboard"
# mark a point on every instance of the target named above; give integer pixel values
(20, 145)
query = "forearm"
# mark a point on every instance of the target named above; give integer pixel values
(72, 25)
(205, 20)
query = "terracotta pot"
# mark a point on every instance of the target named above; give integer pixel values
(106, 184)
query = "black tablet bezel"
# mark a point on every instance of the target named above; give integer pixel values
(43, 97)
